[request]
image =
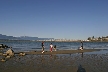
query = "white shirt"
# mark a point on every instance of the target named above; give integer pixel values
(51, 46)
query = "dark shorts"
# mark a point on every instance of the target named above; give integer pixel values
(42, 47)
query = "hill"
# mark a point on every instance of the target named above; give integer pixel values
(22, 38)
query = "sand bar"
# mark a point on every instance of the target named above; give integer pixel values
(61, 51)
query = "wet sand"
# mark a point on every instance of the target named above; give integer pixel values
(62, 51)
(63, 61)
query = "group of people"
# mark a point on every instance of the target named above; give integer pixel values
(51, 47)
(54, 47)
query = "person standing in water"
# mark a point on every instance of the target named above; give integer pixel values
(55, 47)
(51, 47)
(42, 47)
(81, 47)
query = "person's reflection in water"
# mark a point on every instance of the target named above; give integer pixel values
(82, 54)
(70, 54)
(55, 57)
(51, 56)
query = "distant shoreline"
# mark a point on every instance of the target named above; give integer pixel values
(6, 40)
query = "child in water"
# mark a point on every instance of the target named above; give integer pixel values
(55, 47)
(51, 47)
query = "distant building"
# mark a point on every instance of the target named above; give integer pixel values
(98, 38)
(105, 38)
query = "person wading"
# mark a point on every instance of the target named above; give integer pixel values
(51, 47)
(42, 47)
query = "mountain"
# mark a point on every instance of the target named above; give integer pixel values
(22, 38)
(6, 37)
(27, 38)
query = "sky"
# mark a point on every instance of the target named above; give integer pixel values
(70, 19)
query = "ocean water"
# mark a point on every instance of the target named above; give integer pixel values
(33, 45)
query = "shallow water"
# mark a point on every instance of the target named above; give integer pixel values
(32, 45)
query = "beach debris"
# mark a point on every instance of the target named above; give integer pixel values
(4, 54)
(8, 56)
(1, 53)
(21, 53)
(2, 46)
(10, 52)
(3, 59)
(80, 69)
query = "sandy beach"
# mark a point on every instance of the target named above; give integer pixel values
(59, 61)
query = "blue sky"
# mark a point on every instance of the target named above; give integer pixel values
(71, 19)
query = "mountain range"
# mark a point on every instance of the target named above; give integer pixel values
(22, 38)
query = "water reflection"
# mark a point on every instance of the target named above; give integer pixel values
(82, 54)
